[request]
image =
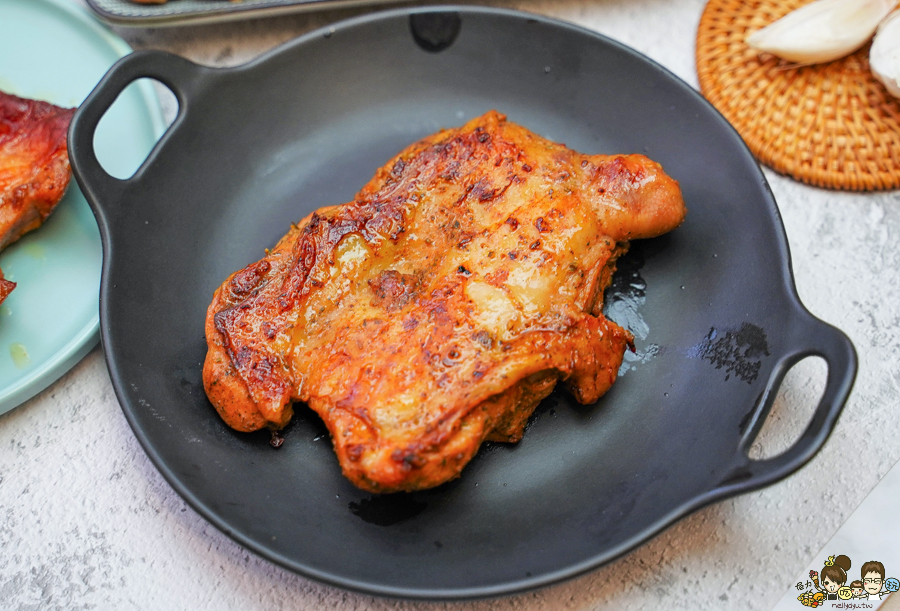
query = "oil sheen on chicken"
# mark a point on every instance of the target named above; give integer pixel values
(441, 305)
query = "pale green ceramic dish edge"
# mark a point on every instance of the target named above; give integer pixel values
(82, 342)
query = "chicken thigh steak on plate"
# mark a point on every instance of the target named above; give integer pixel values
(440, 306)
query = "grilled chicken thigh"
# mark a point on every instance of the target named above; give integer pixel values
(34, 164)
(437, 309)
(34, 167)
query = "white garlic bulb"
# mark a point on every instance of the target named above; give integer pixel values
(823, 30)
(884, 56)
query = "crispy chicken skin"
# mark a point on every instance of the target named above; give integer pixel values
(438, 308)
(34, 164)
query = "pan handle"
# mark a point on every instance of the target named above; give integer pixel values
(818, 339)
(177, 73)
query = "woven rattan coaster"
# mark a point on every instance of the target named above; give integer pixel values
(830, 125)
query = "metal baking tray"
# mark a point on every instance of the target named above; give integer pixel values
(185, 12)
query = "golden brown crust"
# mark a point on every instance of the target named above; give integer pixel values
(439, 307)
(34, 163)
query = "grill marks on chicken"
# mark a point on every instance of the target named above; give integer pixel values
(438, 308)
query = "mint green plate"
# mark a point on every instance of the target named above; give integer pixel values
(53, 50)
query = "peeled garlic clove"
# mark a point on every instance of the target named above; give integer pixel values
(822, 31)
(884, 56)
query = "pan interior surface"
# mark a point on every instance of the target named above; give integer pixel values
(261, 146)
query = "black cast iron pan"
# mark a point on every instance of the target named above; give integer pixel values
(257, 147)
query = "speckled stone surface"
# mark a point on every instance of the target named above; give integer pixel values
(86, 521)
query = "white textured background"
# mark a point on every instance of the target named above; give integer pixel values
(86, 522)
